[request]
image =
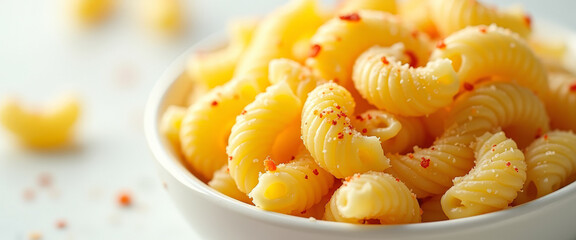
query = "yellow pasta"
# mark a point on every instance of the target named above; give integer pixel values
(298, 77)
(91, 12)
(351, 6)
(551, 163)
(216, 68)
(432, 209)
(332, 140)
(490, 51)
(561, 96)
(400, 89)
(292, 187)
(492, 184)
(223, 182)
(357, 32)
(373, 196)
(417, 12)
(163, 16)
(397, 134)
(51, 127)
(450, 16)
(253, 135)
(171, 122)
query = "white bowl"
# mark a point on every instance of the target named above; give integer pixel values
(216, 216)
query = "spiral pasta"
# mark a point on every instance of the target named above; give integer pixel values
(292, 187)
(551, 163)
(491, 51)
(223, 182)
(373, 195)
(332, 140)
(492, 184)
(357, 32)
(449, 16)
(561, 96)
(401, 89)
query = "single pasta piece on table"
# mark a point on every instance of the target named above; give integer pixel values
(450, 16)
(373, 196)
(163, 16)
(492, 184)
(400, 89)
(551, 163)
(223, 182)
(328, 134)
(51, 127)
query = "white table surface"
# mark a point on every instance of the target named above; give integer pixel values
(112, 68)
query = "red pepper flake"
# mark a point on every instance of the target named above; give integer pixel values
(230, 158)
(468, 86)
(338, 107)
(336, 80)
(508, 164)
(334, 122)
(440, 44)
(538, 133)
(269, 165)
(331, 88)
(359, 118)
(353, 17)
(528, 20)
(482, 29)
(347, 179)
(516, 169)
(340, 135)
(214, 103)
(494, 145)
(124, 199)
(414, 34)
(315, 50)
(384, 60)
(61, 224)
(432, 148)
(413, 58)
(303, 212)
(369, 117)
(243, 112)
(546, 137)
(397, 180)
(573, 87)
(305, 176)
(364, 130)
(292, 158)
(425, 163)
(315, 171)
(45, 180)
(410, 155)
(227, 170)
(343, 114)
(320, 115)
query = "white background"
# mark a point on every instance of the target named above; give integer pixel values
(112, 68)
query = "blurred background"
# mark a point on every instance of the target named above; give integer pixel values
(112, 65)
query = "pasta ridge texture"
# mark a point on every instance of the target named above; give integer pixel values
(490, 51)
(551, 163)
(223, 182)
(373, 195)
(400, 89)
(492, 184)
(449, 16)
(561, 96)
(332, 140)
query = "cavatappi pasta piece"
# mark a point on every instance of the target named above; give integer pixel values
(351, 6)
(206, 126)
(432, 209)
(551, 163)
(450, 16)
(51, 127)
(292, 187)
(171, 122)
(515, 109)
(397, 134)
(417, 12)
(298, 77)
(223, 182)
(216, 68)
(561, 97)
(492, 52)
(357, 32)
(492, 184)
(331, 139)
(400, 89)
(278, 37)
(253, 136)
(373, 196)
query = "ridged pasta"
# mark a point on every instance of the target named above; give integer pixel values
(432, 209)
(253, 135)
(417, 12)
(351, 6)
(223, 182)
(206, 126)
(356, 33)
(515, 109)
(292, 187)
(450, 16)
(561, 96)
(397, 134)
(298, 77)
(215, 68)
(490, 51)
(551, 163)
(400, 89)
(373, 196)
(332, 140)
(171, 122)
(492, 184)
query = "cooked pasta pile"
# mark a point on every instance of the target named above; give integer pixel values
(380, 112)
